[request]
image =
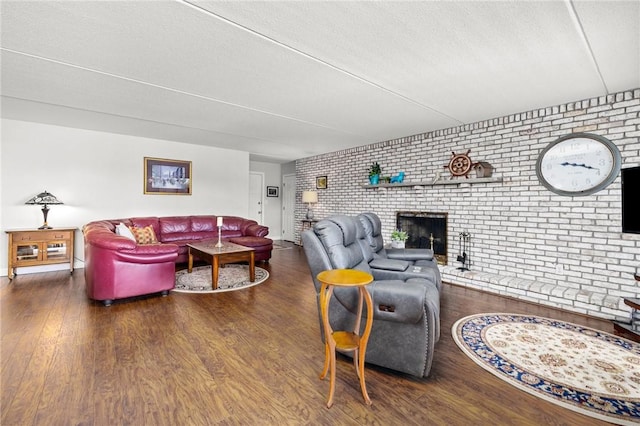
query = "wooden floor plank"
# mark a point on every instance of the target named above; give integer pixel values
(245, 357)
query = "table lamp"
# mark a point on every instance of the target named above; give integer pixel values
(309, 197)
(44, 199)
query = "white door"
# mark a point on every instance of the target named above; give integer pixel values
(256, 194)
(288, 207)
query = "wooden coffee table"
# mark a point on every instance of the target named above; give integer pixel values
(216, 256)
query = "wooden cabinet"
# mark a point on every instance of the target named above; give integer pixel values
(33, 247)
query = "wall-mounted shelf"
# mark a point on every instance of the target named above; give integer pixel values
(454, 181)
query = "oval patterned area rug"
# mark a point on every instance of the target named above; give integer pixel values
(230, 277)
(580, 368)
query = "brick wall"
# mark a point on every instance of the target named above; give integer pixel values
(526, 241)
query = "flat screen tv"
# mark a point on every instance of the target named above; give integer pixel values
(630, 196)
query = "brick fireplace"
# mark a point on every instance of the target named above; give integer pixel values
(426, 230)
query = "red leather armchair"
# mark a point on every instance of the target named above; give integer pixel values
(116, 267)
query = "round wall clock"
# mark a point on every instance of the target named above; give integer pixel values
(578, 164)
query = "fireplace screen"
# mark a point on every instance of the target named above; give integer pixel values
(426, 230)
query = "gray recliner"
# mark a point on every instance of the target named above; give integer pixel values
(421, 261)
(406, 319)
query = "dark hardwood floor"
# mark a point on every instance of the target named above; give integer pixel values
(249, 357)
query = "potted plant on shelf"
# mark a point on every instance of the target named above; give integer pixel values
(374, 173)
(398, 238)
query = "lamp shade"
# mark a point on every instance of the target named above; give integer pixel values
(44, 198)
(309, 197)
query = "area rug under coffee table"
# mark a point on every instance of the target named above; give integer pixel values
(580, 368)
(231, 277)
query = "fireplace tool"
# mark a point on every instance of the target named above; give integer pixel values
(464, 241)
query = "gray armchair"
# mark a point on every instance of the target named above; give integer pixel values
(421, 261)
(406, 319)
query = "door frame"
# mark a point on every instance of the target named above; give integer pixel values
(261, 192)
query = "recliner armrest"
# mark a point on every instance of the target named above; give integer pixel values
(398, 301)
(410, 254)
(389, 264)
(393, 300)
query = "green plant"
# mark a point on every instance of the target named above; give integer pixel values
(375, 169)
(398, 235)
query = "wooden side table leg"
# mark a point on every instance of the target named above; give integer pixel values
(190, 265)
(252, 266)
(362, 347)
(215, 270)
(332, 373)
(324, 310)
(325, 368)
(330, 345)
(356, 330)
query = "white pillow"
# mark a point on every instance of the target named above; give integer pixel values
(123, 230)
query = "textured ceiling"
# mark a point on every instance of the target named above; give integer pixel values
(287, 80)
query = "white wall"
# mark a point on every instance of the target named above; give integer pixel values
(272, 205)
(100, 176)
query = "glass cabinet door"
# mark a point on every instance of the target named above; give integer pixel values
(27, 252)
(56, 250)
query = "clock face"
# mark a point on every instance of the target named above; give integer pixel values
(578, 164)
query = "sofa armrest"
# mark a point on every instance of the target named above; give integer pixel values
(149, 253)
(399, 301)
(389, 264)
(393, 300)
(131, 250)
(256, 230)
(410, 254)
(108, 240)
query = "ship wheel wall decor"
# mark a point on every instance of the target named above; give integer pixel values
(460, 164)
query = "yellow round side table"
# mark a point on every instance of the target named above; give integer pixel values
(345, 341)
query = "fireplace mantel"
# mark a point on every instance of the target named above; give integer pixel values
(458, 181)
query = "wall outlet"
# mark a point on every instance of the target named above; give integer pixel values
(559, 268)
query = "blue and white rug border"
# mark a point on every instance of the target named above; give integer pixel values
(467, 346)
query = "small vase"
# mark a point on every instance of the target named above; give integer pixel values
(374, 179)
(397, 244)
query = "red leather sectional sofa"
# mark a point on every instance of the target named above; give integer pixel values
(117, 267)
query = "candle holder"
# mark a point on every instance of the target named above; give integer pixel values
(219, 223)
(219, 243)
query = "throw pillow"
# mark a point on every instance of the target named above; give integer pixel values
(144, 235)
(123, 230)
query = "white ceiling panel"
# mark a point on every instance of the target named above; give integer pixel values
(106, 94)
(613, 33)
(446, 55)
(18, 109)
(303, 78)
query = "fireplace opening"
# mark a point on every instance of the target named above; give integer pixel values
(426, 230)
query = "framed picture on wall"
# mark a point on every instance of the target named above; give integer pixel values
(272, 191)
(321, 182)
(167, 177)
